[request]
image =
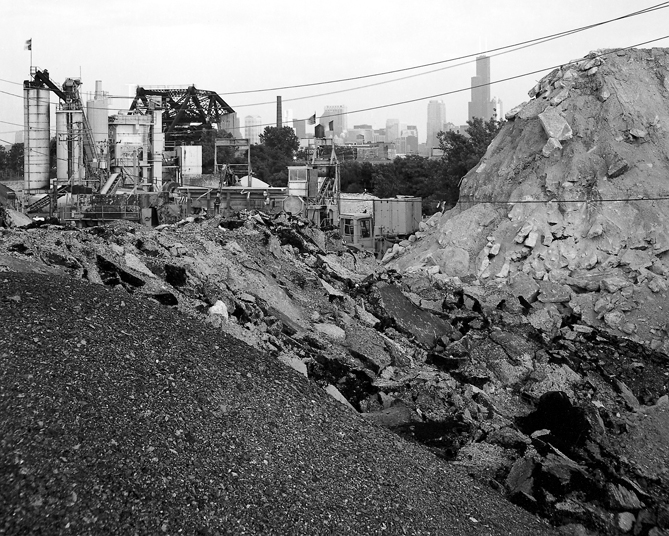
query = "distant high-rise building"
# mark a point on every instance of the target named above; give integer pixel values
(410, 134)
(480, 105)
(497, 108)
(436, 117)
(337, 115)
(392, 130)
(252, 129)
(300, 128)
(230, 123)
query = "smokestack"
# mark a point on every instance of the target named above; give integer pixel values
(279, 112)
(98, 89)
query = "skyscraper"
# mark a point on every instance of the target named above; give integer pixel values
(252, 129)
(480, 105)
(436, 117)
(392, 130)
(498, 109)
(335, 113)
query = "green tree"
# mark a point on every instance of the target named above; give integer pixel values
(463, 151)
(4, 158)
(15, 159)
(282, 140)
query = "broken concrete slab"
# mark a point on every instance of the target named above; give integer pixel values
(555, 125)
(425, 327)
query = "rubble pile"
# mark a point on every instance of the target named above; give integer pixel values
(568, 205)
(535, 402)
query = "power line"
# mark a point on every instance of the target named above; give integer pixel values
(558, 201)
(498, 51)
(661, 5)
(398, 103)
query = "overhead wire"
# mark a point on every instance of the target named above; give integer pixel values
(661, 5)
(468, 88)
(498, 51)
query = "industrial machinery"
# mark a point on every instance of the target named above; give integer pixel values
(390, 220)
(314, 188)
(80, 167)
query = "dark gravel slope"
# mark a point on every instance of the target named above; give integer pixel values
(121, 416)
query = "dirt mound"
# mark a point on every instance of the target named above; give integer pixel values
(574, 191)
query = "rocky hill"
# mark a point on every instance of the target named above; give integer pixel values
(569, 204)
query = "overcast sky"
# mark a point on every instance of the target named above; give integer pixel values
(246, 45)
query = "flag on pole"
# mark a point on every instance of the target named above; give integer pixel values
(331, 125)
(29, 44)
(312, 120)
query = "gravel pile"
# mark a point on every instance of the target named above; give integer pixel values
(121, 416)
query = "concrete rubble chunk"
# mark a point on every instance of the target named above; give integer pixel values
(555, 126)
(295, 363)
(617, 168)
(511, 115)
(550, 292)
(331, 330)
(522, 233)
(520, 480)
(334, 393)
(532, 239)
(523, 285)
(551, 146)
(410, 319)
(13, 218)
(621, 498)
(614, 283)
(559, 97)
(219, 309)
(627, 395)
(625, 521)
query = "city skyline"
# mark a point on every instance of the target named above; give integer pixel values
(123, 43)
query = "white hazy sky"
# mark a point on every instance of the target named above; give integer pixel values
(232, 46)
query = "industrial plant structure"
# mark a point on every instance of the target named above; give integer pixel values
(145, 164)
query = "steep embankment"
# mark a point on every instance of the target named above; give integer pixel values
(574, 190)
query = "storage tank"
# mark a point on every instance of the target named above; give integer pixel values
(36, 124)
(69, 141)
(97, 111)
(61, 145)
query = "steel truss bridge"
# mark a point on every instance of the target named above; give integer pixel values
(186, 111)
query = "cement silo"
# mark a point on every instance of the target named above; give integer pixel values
(36, 124)
(97, 112)
(69, 145)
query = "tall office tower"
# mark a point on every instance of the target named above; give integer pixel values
(436, 117)
(335, 113)
(300, 128)
(480, 105)
(252, 128)
(230, 123)
(392, 130)
(410, 134)
(497, 108)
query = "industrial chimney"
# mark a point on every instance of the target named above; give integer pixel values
(279, 112)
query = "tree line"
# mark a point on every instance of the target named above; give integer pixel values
(435, 180)
(11, 161)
